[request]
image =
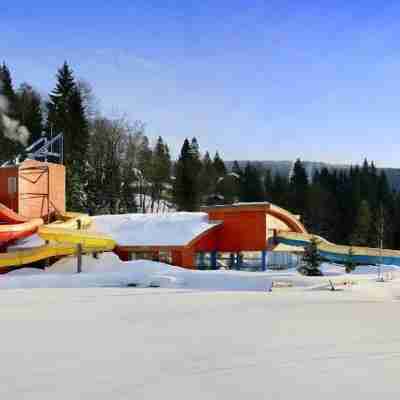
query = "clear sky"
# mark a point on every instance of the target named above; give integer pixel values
(254, 79)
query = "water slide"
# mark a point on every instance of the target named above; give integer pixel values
(14, 226)
(62, 238)
(8, 216)
(339, 253)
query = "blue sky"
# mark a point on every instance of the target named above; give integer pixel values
(252, 79)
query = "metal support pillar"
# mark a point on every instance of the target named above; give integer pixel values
(201, 260)
(79, 258)
(214, 259)
(263, 260)
(239, 260)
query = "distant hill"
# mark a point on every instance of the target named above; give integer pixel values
(284, 168)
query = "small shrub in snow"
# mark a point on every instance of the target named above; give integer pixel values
(311, 259)
(350, 265)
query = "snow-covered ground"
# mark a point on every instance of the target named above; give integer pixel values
(109, 271)
(121, 343)
(231, 339)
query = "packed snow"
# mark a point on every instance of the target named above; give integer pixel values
(134, 343)
(170, 229)
(143, 329)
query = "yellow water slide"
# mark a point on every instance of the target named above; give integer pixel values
(62, 239)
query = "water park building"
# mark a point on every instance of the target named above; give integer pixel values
(197, 240)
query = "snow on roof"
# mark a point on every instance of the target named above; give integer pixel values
(170, 229)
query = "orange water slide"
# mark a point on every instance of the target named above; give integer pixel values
(8, 216)
(13, 226)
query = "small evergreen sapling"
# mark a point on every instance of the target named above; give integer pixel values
(350, 264)
(311, 259)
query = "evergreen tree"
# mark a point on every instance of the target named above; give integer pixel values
(7, 89)
(237, 170)
(229, 188)
(29, 111)
(219, 165)
(268, 185)
(8, 148)
(311, 259)
(280, 191)
(161, 172)
(207, 178)
(186, 188)
(195, 153)
(299, 187)
(66, 114)
(350, 264)
(361, 230)
(251, 185)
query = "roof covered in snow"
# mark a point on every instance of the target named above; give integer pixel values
(170, 229)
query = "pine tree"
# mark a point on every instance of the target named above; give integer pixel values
(350, 264)
(299, 187)
(29, 111)
(8, 148)
(268, 185)
(280, 191)
(195, 154)
(251, 185)
(161, 172)
(237, 170)
(186, 188)
(311, 259)
(7, 89)
(361, 230)
(219, 166)
(207, 178)
(66, 114)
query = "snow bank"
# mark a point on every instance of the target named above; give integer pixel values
(171, 229)
(109, 271)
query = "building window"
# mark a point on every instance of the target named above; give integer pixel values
(12, 185)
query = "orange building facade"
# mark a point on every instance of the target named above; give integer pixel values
(33, 189)
(237, 228)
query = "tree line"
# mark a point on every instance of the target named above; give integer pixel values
(112, 167)
(354, 206)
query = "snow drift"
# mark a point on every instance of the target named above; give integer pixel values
(109, 271)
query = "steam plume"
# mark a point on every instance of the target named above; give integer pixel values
(12, 128)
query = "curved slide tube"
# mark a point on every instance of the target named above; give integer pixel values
(340, 253)
(62, 236)
(13, 226)
(89, 240)
(90, 244)
(8, 216)
(10, 233)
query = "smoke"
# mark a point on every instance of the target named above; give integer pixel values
(12, 129)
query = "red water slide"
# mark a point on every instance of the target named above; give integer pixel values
(8, 216)
(13, 226)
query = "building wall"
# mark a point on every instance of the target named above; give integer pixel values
(242, 230)
(275, 224)
(41, 189)
(9, 196)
